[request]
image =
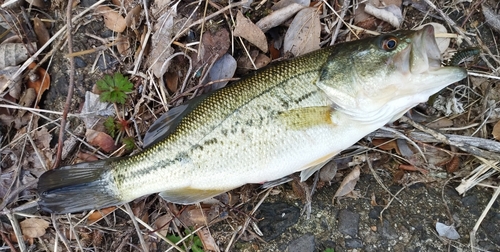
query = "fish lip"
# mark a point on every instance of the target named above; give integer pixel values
(425, 53)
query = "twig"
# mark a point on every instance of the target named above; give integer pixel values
(345, 7)
(6, 239)
(137, 228)
(454, 139)
(381, 183)
(17, 231)
(444, 139)
(58, 232)
(137, 62)
(481, 218)
(71, 87)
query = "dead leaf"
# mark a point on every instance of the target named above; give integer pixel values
(413, 168)
(453, 165)
(27, 99)
(303, 35)
(279, 16)
(213, 46)
(496, 131)
(6, 75)
(193, 215)
(98, 215)
(160, 42)
(85, 157)
(249, 31)
(386, 10)
(348, 183)
(112, 19)
(127, 4)
(172, 81)
(39, 82)
(123, 45)
(328, 172)
(93, 109)
(385, 144)
(262, 60)
(223, 68)
(447, 231)
(12, 54)
(34, 227)
(42, 34)
(207, 239)
(441, 123)
(133, 18)
(492, 18)
(161, 224)
(101, 140)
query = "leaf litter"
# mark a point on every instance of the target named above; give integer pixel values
(301, 26)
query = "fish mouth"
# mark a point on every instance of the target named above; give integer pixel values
(425, 55)
(423, 58)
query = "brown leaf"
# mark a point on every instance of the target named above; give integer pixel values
(123, 45)
(453, 165)
(161, 224)
(413, 168)
(40, 82)
(42, 34)
(85, 157)
(496, 131)
(385, 144)
(172, 81)
(213, 46)
(34, 227)
(101, 140)
(348, 183)
(193, 216)
(249, 31)
(133, 17)
(207, 239)
(112, 19)
(303, 35)
(98, 215)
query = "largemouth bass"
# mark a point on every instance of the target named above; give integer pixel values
(290, 117)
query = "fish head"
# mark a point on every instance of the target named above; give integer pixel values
(380, 78)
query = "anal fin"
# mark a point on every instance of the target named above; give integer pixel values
(190, 195)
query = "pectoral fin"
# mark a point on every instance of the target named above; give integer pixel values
(307, 117)
(190, 195)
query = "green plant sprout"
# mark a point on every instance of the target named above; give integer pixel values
(114, 88)
(196, 244)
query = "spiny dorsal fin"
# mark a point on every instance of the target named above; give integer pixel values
(169, 121)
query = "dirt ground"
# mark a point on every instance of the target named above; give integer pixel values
(393, 207)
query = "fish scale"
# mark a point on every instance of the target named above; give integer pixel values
(292, 116)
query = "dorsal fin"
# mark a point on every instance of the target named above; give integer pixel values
(168, 122)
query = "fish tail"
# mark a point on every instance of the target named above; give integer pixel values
(77, 188)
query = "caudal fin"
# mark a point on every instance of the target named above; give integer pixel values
(77, 188)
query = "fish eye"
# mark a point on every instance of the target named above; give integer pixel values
(389, 43)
